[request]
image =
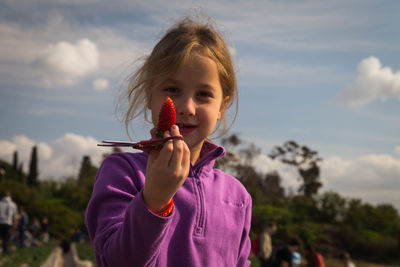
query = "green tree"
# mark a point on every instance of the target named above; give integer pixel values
(272, 185)
(33, 168)
(332, 207)
(21, 175)
(15, 160)
(85, 169)
(305, 161)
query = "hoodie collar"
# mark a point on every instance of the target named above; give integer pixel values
(209, 153)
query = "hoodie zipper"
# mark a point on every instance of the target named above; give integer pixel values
(199, 227)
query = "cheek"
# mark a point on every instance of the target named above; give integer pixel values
(154, 109)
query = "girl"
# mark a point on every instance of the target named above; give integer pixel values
(170, 207)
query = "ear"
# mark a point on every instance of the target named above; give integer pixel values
(223, 106)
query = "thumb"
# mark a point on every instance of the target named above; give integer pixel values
(153, 133)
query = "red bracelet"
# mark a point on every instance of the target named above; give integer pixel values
(167, 211)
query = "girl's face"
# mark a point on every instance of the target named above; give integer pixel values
(197, 94)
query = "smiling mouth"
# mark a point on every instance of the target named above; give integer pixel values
(186, 128)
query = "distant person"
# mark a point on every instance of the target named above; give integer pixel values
(21, 227)
(346, 260)
(34, 229)
(65, 245)
(78, 235)
(296, 258)
(255, 246)
(265, 247)
(8, 218)
(313, 257)
(45, 230)
(282, 256)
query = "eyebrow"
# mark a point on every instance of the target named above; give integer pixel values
(201, 86)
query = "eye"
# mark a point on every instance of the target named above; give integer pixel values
(171, 90)
(205, 94)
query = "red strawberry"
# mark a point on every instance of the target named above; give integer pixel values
(166, 117)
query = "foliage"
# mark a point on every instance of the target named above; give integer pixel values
(85, 251)
(61, 218)
(306, 162)
(329, 221)
(9, 172)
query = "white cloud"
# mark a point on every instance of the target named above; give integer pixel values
(397, 150)
(100, 84)
(288, 174)
(374, 178)
(64, 62)
(373, 82)
(7, 149)
(57, 159)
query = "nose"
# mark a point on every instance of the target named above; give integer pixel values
(185, 106)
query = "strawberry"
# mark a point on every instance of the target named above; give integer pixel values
(166, 117)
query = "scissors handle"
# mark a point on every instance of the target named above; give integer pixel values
(144, 145)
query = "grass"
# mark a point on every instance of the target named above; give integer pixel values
(85, 252)
(331, 262)
(33, 256)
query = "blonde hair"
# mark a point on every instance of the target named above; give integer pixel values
(176, 46)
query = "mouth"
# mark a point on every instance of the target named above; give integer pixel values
(186, 128)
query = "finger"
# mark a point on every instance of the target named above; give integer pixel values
(185, 163)
(176, 158)
(153, 133)
(166, 151)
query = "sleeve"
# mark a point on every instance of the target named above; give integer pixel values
(245, 244)
(123, 231)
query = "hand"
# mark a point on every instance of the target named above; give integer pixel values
(166, 171)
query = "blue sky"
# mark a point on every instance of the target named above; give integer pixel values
(323, 73)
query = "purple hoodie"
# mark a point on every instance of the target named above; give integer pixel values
(209, 225)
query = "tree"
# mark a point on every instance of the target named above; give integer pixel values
(15, 160)
(272, 185)
(306, 162)
(20, 170)
(86, 166)
(332, 207)
(33, 168)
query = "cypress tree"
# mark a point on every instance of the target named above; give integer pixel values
(86, 166)
(20, 171)
(15, 161)
(33, 168)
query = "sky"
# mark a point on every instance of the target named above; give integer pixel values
(323, 73)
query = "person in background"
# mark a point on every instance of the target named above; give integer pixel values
(34, 229)
(22, 226)
(296, 258)
(346, 259)
(313, 257)
(265, 247)
(45, 230)
(282, 256)
(8, 219)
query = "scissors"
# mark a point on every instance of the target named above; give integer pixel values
(145, 145)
